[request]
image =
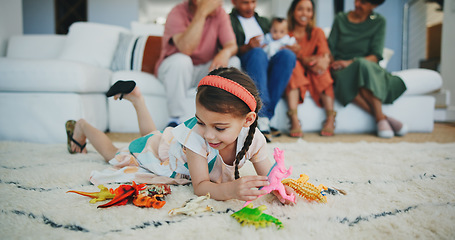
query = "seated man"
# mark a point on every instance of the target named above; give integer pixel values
(198, 38)
(271, 76)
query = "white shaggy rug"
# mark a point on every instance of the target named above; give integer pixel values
(394, 191)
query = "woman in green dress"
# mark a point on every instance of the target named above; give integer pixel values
(356, 42)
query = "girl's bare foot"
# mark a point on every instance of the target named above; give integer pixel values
(79, 137)
(133, 96)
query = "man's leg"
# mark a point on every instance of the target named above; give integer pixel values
(280, 69)
(175, 73)
(255, 64)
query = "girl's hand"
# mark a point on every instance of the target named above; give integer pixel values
(289, 191)
(246, 188)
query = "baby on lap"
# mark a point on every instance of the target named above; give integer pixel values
(278, 37)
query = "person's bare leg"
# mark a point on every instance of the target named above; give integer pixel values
(383, 127)
(362, 103)
(103, 145)
(292, 99)
(329, 124)
(374, 103)
(145, 121)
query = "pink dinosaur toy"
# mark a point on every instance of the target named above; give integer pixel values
(276, 174)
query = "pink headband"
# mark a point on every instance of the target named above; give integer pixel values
(232, 87)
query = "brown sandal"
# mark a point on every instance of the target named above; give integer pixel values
(295, 133)
(69, 126)
(328, 132)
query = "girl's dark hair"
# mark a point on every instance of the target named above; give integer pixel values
(376, 2)
(218, 100)
(291, 22)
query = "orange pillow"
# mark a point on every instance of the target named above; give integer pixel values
(152, 52)
(136, 53)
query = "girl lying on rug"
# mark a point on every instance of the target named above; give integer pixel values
(210, 147)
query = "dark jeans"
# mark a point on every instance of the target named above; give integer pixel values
(270, 76)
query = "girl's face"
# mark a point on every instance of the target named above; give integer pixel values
(220, 130)
(303, 13)
(363, 7)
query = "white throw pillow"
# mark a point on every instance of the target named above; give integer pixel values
(420, 81)
(151, 29)
(91, 43)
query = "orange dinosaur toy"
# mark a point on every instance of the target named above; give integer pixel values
(124, 193)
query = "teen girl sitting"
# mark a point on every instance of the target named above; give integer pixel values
(207, 150)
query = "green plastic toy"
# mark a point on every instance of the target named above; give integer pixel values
(255, 216)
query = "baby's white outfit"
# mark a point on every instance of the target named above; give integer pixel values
(273, 46)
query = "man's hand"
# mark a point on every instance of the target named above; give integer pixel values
(220, 60)
(207, 7)
(222, 57)
(255, 42)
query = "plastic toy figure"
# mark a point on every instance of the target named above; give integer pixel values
(255, 216)
(276, 174)
(102, 195)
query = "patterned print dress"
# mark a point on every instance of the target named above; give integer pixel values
(160, 157)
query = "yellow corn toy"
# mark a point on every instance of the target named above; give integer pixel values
(306, 189)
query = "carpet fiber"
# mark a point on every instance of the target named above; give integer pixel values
(399, 191)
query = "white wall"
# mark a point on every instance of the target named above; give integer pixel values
(10, 21)
(448, 51)
(116, 12)
(151, 10)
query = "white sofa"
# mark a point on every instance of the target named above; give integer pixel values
(48, 79)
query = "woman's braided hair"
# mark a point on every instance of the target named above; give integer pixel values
(218, 100)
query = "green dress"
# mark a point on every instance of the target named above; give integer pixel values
(354, 41)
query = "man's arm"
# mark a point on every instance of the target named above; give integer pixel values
(187, 41)
(222, 57)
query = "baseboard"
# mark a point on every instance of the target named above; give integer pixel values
(445, 114)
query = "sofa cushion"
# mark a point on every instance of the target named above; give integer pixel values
(420, 81)
(43, 46)
(91, 43)
(23, 75)
(137, 53)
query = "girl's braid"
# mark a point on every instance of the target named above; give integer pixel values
(246, 146)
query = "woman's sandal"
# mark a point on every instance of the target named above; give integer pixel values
(121, 87)
(328, 132)
(295, 133)
(69, 126)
